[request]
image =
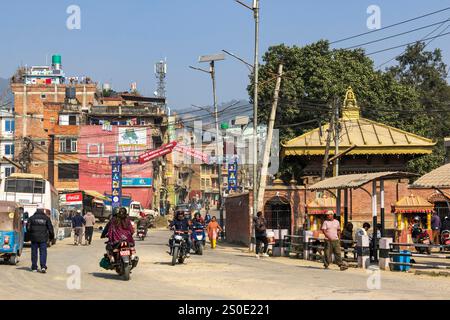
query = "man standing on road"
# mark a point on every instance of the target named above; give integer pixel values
(436, 227)
(260, 234)
(77, 224)
(89, 227)
(332, 231)
(41, 231)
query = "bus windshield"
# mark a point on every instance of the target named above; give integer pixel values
(19, 185)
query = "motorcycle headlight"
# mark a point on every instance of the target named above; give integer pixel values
(200, 237)
(178, 237)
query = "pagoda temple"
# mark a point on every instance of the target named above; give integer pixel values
(376, 146)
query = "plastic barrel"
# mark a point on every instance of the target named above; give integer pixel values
(402, 259)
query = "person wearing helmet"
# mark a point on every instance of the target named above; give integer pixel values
(415, 229)
(181, 223)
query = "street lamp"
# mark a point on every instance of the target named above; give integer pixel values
(212, 59)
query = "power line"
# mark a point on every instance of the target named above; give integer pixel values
(397, 34)
(407, 44)
(427, 35)
(390, 26)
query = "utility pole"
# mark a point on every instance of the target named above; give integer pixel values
(327, 147)
(252, 213)
(336, 138)
(266, 156)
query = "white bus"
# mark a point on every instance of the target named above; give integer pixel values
(30, 190)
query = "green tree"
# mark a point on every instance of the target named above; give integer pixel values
(317, 76)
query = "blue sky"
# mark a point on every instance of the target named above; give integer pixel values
(119, 41)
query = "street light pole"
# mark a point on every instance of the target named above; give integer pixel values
(211, 59)
(218, 139)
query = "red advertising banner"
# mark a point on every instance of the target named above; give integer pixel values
(153, 154)
(193, 153)
(74, 197)
(96, 146)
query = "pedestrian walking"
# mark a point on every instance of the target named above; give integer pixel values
(213, 229)
(78, 223)
(436, 228)
(89, 227)
(40, 229)
(260, 234)
(347, 235)
(332, 231)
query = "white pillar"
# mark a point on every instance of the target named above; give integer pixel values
(306, 236)
(384, 253)
(362, 248)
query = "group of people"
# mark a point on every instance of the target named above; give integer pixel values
(183, 223)
(83, 225)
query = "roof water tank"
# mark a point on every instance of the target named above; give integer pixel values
(56, 59)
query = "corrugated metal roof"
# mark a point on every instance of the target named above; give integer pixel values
(438, 178)
(357, 180)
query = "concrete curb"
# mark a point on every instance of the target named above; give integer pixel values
(433, 273)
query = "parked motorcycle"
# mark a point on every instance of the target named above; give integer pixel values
(423, 238)
(445, 238)
(198, 238)
(178, 247)
(121, 258)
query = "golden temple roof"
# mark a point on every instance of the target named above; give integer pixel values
(370, 137)
(413, 203)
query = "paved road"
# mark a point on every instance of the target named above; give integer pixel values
(225, 273)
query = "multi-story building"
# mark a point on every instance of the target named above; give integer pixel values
(6, 143)
(33, 90)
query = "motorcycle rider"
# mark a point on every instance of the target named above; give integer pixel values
(415, 229)
(117, 229)
(181, 223)
(143, 222)
(198, 219)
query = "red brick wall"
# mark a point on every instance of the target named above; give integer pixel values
(237, 225)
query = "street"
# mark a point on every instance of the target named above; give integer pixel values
(229, 272)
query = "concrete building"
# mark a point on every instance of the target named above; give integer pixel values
(7, 124)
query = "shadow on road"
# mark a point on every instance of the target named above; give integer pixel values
(110, 276)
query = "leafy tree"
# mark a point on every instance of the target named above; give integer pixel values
(317, 76)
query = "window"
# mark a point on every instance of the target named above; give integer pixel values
(68, 120)
(43, 96)
(68, 171)
(8, 171)
(68, 145)
(73, 121)
(9, 125)
(203, 183)
(25, 186)
(9, 149)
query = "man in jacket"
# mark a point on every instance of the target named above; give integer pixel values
(77, 224)
(89, 227)
(40, 230)
(260, 234)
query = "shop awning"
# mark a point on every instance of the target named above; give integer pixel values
(353, 181)
(96, 194)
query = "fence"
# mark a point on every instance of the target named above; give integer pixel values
(397, 254)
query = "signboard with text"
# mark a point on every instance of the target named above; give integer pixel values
(116, 168)
(232, 176)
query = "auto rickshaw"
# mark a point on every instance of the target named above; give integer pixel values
(11, 231)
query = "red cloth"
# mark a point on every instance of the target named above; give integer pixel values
(116, 231)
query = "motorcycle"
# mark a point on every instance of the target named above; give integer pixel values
(123, 258)
(198, 238)
(445, 239)
(178, 247)
(141, 233)
(422, 238)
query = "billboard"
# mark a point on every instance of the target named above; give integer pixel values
(96, 147)
(136, 182)
(132, 137)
